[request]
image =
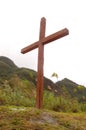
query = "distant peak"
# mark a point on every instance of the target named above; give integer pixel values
(7, 61)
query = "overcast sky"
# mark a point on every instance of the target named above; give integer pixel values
(19, 27)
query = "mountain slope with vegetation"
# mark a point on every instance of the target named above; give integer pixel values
(75, 90)
(9, 69)
(18, 87)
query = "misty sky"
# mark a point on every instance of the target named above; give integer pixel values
(19, 27)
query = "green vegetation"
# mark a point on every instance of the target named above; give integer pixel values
(23, 93)
(64, 102)
(17, 92)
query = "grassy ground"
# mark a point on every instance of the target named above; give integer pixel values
(24, 118)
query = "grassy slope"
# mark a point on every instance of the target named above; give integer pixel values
(8, 71)
(21, 118)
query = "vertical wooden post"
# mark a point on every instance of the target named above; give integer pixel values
(40, 78)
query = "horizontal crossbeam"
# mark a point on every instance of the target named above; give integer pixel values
(46, 40)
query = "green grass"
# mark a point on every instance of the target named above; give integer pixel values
(29, 118)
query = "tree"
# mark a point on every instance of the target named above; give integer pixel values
(55, 76)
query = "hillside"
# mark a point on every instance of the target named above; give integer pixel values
(7, 61)
(9, 69)
(18, 87)
(69, 87)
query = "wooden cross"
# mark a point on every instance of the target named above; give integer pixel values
(40, 45)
